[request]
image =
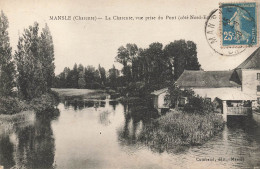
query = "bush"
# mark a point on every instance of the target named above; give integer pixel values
(181, 129)
(45, 102)
(11, 105)
(198, 105)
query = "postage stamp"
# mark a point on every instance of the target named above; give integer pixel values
(213, 36)
(238, 24)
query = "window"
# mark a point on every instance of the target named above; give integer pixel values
(258, 88)
(258, 100)
(258, 76)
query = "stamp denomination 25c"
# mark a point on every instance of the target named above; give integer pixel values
(238, 24)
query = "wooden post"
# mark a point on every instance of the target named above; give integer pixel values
(224, 103)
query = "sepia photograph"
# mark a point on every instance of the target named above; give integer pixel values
(129, 84)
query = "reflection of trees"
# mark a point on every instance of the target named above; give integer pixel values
(104, 118)
(113, 104)
(6, 152)
(79, 103)
(135, 118)
(34, 147)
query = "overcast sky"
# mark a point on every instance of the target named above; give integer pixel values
(96, 42)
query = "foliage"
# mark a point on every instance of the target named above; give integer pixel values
(157, 66)
(34, 60)
(153, 67)
(113, 75)
(174, 95)
(195, 103)
(7, 67)
(179, 128)
(81, 77)
(11, 105)
(182, 55)
(199, 105)
(47, 56)
(45, 102)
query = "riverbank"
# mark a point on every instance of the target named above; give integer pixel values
(82, 93)
(9, 123)
(13, 105)
(177, 128)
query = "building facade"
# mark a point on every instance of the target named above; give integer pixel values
(238, 89)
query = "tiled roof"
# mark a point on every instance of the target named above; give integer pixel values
(252, 62)
(207, 79)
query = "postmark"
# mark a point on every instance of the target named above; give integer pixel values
(213, 36)
(238, 24)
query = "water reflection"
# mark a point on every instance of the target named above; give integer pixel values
(30, 147)
(106, 134)
(241, 135)
(6, 152)
(80, 104)
(135, 117)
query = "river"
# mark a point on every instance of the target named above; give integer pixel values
(103, 134)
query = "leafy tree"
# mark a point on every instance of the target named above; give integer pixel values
(122, 56)
(199, 105)
(81, 80)
(30, 77)
(34, 60)
(181, 55)
(73, 77)
(113, 75)
(102, 73)
(7, 69)
(47, 56)
(125, 56)
(175, 93)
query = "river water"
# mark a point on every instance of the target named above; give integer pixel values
(103, 134)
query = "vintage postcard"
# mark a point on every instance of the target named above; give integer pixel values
(129, 84)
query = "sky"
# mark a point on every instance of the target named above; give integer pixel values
(96, 42)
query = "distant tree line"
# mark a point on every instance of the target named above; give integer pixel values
(87, 77)
(143, 70)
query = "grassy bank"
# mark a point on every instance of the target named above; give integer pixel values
(181, 129)
(82, 93)
(9, 123)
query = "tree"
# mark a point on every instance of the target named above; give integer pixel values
(81, 81)
(156, 65)
(7, 69)
(125, 56)
(175, 93)
(47, 56)
(113, 74)
(34, 59)
(73, 77)
(102, 73)
(182, 55)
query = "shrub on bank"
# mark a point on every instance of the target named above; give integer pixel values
(199, 105)
(12, 105)
(178, 128)
(46, 101)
